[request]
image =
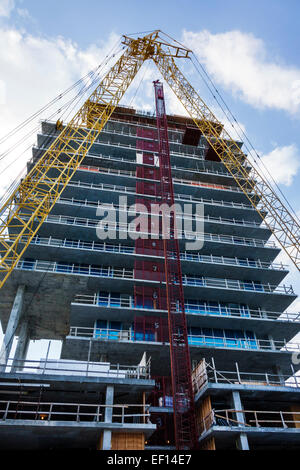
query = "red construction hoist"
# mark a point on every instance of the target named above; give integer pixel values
(154, 185)
(183, 397)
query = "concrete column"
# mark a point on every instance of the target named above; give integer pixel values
(237, 405)
(272, 344)
(12, 324)
(264, 314)
(22, 347)
(278, 371)
(242, 440)
(109, 400)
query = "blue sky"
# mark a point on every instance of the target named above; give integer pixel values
(249, 48)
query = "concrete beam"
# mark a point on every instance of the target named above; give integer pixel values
(12, 325)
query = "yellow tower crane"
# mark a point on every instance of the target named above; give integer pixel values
(25, 210)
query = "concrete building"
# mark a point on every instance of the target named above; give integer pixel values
(111, 387)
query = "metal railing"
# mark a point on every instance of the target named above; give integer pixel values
(251, 418)
(185, 234)
(100, 156)
(131, 211)
(133, 147)
(181, 181)
(88, 368)
(110, 334)
(184, 256)
(125, 273)
(78, 412)
(181, 197)
(127, 301)
(210, 374)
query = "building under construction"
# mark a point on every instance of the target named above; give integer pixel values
(173, 338)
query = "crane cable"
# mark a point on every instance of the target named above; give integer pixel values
(95, 72)
(66, 105)
(235, 123)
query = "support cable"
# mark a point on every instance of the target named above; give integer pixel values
(236, 123)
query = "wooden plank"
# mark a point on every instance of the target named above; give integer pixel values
(295, 416)
(208, 444)
(127, 441)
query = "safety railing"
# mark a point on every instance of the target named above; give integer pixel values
(181, 197)
(131, 211)
(88, 368)
(251, 418)
(78, 412)
(236, 285)
(206, 373)
(184, 235)
(124, 273)
(100, 156)
(191, 307)
(133, 147)
(110, 334)
(126, 249)
(182, 181)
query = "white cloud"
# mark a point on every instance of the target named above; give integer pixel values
(24, 13)
(283, 163)
(6, 7)
(34, 70)
(239, 61)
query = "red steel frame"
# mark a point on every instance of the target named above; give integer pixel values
(183, 397)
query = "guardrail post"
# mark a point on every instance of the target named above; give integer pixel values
(6, 411)
(214, 369)
(47, 355)
(50, 411)
(282, 419)
(256, 420)
(89, 356)
(238, 372)
(267, 379)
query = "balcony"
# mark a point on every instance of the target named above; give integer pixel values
(84, 369)
(211, 174)
(184, 235)
(86, 309)
(224, 290)
(123, 273)
(231, 226)
(179, 181)
(78, 250)
(203, 341)
(85, 203)
(206, 376)
(111, 192)
(194, 153)
(260, 420)
(112, 300)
